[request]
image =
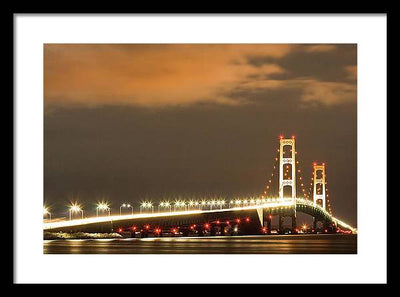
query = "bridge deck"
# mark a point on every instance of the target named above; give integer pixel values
(275, 203)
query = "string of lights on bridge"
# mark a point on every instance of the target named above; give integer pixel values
(103, 207)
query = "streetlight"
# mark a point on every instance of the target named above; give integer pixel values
(143, 205)
(212, 203)
(125, 205)
(47, 212)
(183, 204)
(146, 205)
(73, 208)
(179, 204)
(190, 204)
(164, 204)
(150, 205)
(160, 205)
(103, 206)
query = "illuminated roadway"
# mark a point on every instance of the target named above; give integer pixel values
(273, 206)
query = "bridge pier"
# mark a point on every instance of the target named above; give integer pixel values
(327, 225)
(315, 224)
(213, 231)
(281, 224)
(222, 230)
(269, 219)
(185, 232)
(294, 224)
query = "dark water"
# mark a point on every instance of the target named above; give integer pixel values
(261, 244)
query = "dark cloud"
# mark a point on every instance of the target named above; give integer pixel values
(330, 65)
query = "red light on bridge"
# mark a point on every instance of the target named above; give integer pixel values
(315, 163)
(270, 217)
(326, 230)
(218, 222)
(293, 137)
(280, 136)
(119, 230)
(264, 229)
(323, 164)
(147, 227)
(173, 230)
(206, 226)
(238, 221)
(247, 220)
(134, 228)
(227, 222)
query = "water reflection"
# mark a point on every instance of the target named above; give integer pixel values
(274, 244)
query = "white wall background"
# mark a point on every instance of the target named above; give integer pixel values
(369, 32)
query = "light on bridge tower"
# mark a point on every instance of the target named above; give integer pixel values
(319, 180)
(284, 161)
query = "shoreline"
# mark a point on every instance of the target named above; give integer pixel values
(79, 235)
(48, 236)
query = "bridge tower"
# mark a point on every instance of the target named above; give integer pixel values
(284, 161)
(291, 181)
(319, 180)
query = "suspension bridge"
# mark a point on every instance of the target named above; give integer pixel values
(286, 194)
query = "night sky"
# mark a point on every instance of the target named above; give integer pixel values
(128, 123)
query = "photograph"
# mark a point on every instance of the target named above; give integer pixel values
(200, 148)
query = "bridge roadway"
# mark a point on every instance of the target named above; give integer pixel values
(256, 214)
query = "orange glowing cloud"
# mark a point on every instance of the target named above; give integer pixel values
(151, 74)
(178, 74)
